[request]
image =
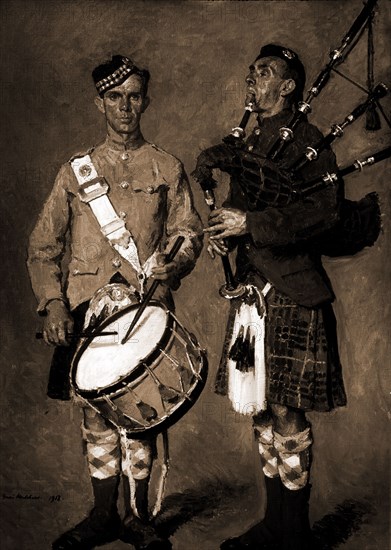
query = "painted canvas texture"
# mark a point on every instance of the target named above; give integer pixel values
(198, 53)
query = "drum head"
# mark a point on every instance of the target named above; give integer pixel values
(104, 360)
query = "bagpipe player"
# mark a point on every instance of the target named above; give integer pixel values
(282, 354)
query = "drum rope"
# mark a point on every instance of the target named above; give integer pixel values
(163, 474)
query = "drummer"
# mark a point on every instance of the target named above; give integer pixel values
(152, 205)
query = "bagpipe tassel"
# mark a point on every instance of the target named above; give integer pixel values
(372, 118)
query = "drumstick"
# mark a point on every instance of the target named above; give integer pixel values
(39, 335)
(148, 297)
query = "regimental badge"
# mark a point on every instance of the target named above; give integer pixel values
(85, 171)
(288, 54)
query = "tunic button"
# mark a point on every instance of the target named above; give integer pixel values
(125, 156)
(116, 262)
(250, 147)
(124, 184)
(257, 132)
(123, 215)
(150, 189)
(76, 272)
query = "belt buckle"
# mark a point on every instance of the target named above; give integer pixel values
(93, 189)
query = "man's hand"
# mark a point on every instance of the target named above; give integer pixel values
(165, 272)
(58, 324)
(217, 246)
(226, 222)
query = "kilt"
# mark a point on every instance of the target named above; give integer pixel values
(59, 385)
(303, 369)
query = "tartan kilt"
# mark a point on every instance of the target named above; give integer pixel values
(303, 369)
(59, 385)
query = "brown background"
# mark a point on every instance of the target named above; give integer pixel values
(198, 53)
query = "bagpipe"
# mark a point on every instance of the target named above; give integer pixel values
(265, 181)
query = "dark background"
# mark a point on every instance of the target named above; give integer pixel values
(198, 54)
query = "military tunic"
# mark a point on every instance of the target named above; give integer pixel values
(149, 189)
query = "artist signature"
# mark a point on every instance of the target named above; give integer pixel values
(30, 496)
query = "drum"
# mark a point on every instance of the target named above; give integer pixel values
(149, 382)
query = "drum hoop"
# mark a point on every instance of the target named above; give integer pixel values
(139, 370)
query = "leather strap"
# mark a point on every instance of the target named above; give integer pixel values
(94, 191)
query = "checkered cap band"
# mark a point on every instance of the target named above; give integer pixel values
(117, 77)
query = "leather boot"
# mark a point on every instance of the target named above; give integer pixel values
(142, 535)
(103, 523)
(265, 535)
(140, 531)
(295, 519)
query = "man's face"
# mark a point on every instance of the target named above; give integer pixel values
(124, 105)
(266, 85)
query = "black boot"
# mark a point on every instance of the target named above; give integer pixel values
(143, 535)
(265, 535)
(295, 519)
(103, 523)
(140, 531)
